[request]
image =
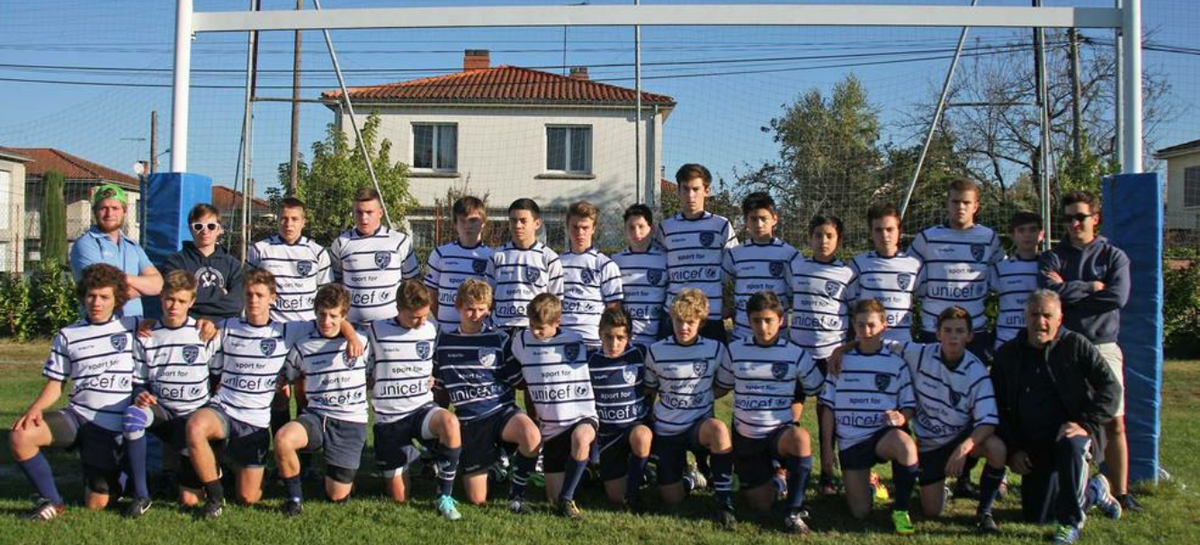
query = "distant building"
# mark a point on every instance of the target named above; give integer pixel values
(12, 202)
(1183, 186)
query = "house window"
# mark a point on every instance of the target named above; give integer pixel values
(569, 149)
(1191, 186)
(5, 199)
(435, 146)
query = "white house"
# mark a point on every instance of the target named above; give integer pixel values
(12, 205)
(1183, 186)
(508, 132)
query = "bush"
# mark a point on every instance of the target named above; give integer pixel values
(37, 305)
(16, 316)
(1181, 310)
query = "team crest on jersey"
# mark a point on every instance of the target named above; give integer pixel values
(904, 280)
(587, 276)
(779, 370)
(532, 274)
(304, 267)
(479, 265)
(882, 381)
(119, 341)
(571, 351)
(699, 367)
(655, 276)
(424, 349)
(191, 353)
(977, 252)
(382, 259)
(707, 238)
(630, 376)
(955, 398)
(487, 357)
(832, 288)
(776, 269)
(267, 346)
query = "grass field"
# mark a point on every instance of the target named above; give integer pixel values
(1172, 514)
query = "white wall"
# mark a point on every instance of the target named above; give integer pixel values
(12, 241)
(1179, 217)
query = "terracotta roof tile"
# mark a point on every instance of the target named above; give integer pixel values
(226, 199)
(72, 167)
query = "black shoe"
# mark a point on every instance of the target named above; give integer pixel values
(986, 524)
(633, 505)
(568, 509)
(726, 519)
(136, 508)
(211, 510)
(794, 523)
(1130, 503)
(291, 508)
(964, 489)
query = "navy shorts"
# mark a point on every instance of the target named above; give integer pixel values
(557, 449)
(861, 456)
(752, 457)
(481, 440)
(394, 440)
(614, 448)
(246, 445)
(172, 431)
(933, 462)
(341, 440)
(672, 450)
(100, 449)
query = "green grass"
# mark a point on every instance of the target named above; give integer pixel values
(1171, 517)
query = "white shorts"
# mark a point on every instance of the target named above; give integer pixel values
(1115, 359)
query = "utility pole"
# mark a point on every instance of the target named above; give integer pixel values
(1076, 96)
(153, 166)
(293, 172)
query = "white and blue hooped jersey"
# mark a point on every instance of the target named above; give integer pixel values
(372, 267)
(1013, 280)
(868, 386)
(449, 266)
(299, 268)
(556, 374)
(518, 275)
(892, 281)
(173, 366)
(954, 271)
(644, 282)
(250, 363)
(820, 305)
(401, 368)
(98, 359)
(591, 281)
(766, 380)
(477, 372)
(754, 268)
(334, 384)
(950, 401)
(620, 402)
(695, 249)
(683, 377)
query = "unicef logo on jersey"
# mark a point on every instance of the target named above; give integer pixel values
(904, 280)
(581, 390)
(304, 268)
(655, 276)
(487, 357)
(707, 238)
(977, 252)
(587, 276)
(119, 342)
(267, 346)
(424, 349)
(479, 265)
(191, 353)
(383, 259)
(571, 351)
(779, 370)
(630, 376)
(532, 275)
(882, 381)
(832, 288)
(776, 269)
(699, 367)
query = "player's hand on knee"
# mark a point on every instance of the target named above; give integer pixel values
(31, 419)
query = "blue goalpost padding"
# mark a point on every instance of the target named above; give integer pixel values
(169, 196)
(1133, 221)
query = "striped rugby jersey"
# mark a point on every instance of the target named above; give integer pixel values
(950, 401)
(477, 372)
(401, 368)
(517, 276)
(644, 282)
(683, 376)
(757, 267)
(334, 384)
(820, 305)
(954, 271)
(590, 282)
(1013, 280)
(766, 380)
(250, 362)
(555, 372)
(449, 266)
(173, 365)
(299, 269)
(372, 267)
(868, 386)
(617, 383)
(98, 359)
(695, 249)
(892, 281)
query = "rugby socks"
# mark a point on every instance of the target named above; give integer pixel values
(136, 450)
(571, 478)
(722, 477)
(905, 478)
(294, 487)
(989, 487)
(215, 491)
(520, 475)
(447, 467)
(798, 470)
(635, 475)
(37, 470)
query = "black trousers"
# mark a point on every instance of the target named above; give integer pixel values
(1054, 491)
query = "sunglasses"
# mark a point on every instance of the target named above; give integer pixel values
(1069, 218)
(197, 227)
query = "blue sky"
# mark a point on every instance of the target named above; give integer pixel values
(722, 104)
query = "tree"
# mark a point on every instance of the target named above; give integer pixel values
(337, 171)
(53, 220)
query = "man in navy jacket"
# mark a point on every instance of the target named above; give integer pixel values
(219, 275)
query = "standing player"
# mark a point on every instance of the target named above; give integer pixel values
(624, 438)
(886, 274)
(591, 281)
(523, 268)
(871, 400)
(695, 242)
(643, 277)
(555, 371)
(401, 380)
(762, 263)
(681, 371)
(1017, 276)
(475, 368)
(218, 274)
(96, 355)
(455, 262)
(170, 383)
(769, 374)
(371, 260)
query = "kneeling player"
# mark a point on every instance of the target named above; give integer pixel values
(171, 383)
(334, 419)
(624, 437)
(870, 400)
(680, 370)
(475, 368)
(768, 373)
(401, 380)
(96, 354)
(554, 369)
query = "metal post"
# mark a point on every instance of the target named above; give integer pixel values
(1076, 97)
(247, 121)
(293, 171)
(1043, 99)
(637, 117)
(1131, 86)
(1119, 94)
(180, 85)
(153, 166)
